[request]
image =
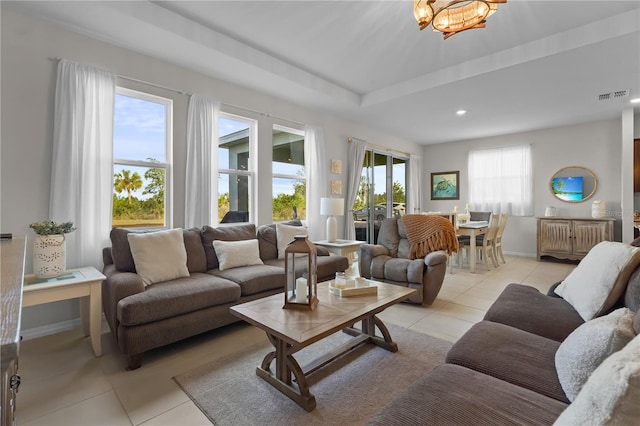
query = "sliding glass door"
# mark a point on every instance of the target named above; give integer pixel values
(382, 193)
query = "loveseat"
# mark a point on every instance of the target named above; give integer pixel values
(534, 359)
(145, 316)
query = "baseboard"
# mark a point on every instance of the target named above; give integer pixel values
(45, 330)
(514, 253)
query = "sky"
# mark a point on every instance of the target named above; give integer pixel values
(140, 133)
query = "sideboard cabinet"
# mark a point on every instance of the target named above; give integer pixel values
(571, 238)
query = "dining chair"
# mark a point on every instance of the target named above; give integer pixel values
(463, 240)
(484, 243)
(498, 241)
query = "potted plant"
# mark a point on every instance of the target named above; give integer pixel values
(49, 249)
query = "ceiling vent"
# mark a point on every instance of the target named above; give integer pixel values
(617, 94)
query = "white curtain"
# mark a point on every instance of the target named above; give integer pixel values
(356, 158)
(415, 185)
(82, 163)
(201, 189)
(315, 165)
(501, 181)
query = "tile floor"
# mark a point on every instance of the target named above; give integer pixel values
(64, 384)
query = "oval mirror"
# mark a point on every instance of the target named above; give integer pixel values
(573, 184)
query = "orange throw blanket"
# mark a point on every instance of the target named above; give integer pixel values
(427, 233)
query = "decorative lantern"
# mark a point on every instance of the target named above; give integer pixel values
(301, 292)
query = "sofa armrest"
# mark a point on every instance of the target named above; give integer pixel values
(322, 251)
(116, 287)
(435, 258)
(367, 253)
(551, 292)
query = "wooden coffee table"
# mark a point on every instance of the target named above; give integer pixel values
(292, 330)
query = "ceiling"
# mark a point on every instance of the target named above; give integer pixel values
(537, 64)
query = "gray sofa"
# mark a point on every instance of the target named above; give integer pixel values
(143, 318)
(502, 371)
(388, 261)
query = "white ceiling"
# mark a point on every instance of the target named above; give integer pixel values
(537, 64)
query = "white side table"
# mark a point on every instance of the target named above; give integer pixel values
(83, 283)
(341, 247)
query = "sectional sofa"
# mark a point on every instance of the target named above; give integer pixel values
(145, 310)
(536, 360)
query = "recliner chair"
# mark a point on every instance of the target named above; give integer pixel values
(388, 261)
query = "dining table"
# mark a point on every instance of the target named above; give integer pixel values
(472, 229)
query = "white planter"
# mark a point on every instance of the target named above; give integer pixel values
(49, 258)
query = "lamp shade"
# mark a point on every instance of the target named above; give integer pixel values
(332, 206)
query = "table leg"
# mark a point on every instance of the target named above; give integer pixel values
(472, 255)
(91, 317)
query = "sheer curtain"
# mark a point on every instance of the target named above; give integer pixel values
(82, 163)
(501, 181)
(415, 185)
(356, 158)
(201, 189)
(315, 164)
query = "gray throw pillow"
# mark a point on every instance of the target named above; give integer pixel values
(590, 344)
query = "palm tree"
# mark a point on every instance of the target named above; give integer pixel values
(125, 181)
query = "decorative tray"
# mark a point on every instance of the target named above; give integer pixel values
(360, 290)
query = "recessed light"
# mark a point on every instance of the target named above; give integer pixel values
(635, 101)
(461, 112)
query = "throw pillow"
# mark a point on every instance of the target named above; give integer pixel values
(590, 344)
(285, 234)
(232, 254)
(611, 394)
(599, 280)
(159, 256)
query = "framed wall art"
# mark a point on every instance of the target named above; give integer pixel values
(445, 186)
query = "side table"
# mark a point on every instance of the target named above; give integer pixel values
(341, 247)
(84, 283)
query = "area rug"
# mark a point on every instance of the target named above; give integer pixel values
(348, 391)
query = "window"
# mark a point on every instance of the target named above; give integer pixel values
(142, 158)
(235, 177)
(289, 179)
(382, 185)
(500, 180)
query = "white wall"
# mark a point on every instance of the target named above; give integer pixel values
(596, 146)
(29, 48)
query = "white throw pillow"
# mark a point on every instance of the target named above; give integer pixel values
(159, 256)
(611, 394)
(590, 344)
(600, 279)
(232, 254)
(285, 234)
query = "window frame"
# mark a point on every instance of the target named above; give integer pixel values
(251, 172)
(292, 130)
(167, 164)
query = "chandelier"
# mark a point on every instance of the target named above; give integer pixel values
(451, 17)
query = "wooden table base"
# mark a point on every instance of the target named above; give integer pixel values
(289, 373)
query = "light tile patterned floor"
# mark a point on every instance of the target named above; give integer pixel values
(64, 384)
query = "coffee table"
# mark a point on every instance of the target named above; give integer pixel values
(292, 330)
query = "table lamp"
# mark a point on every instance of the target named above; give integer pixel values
(332, 207)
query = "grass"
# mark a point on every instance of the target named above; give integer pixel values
(137, 223)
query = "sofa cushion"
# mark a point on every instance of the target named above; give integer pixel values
(232, 254)
(159, 256)
(120, 250)
(253, 279)
(266, 235)
(176, 297)
(196, 256)
(285, 234)
(524, 307)
(404, 270)
(600, 279)
(590, 344)
(236, 232)
(327, 266)
(632, 293)
(512, 355)
(455, 395)
(611, 393)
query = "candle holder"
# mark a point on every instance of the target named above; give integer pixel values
(301, 275)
